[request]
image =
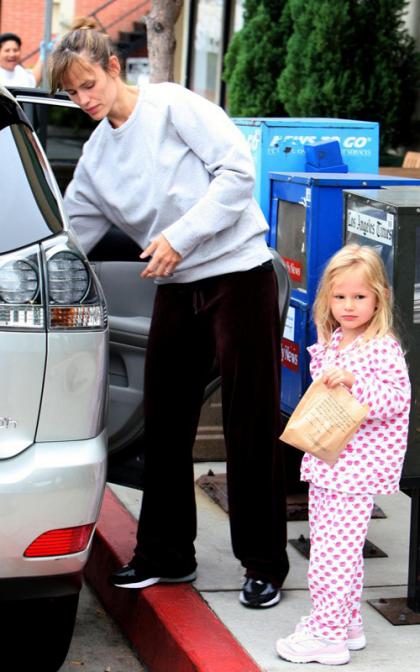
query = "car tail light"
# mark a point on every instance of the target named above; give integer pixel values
(21, 305)
(75, 299)
(63, 541)
(68, 278)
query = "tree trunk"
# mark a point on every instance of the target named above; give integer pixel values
(161, 43)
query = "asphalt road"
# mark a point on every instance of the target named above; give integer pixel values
(98, 644)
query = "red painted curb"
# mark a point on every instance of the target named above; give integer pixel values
(171, 626)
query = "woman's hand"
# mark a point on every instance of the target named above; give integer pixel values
(334, 377)
(164, 258)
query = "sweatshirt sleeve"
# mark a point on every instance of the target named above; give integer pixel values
(213, 137)
(86, 220)
(384, 385)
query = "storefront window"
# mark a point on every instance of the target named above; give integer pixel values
(213, 21)
(238, 15)
(207, 49)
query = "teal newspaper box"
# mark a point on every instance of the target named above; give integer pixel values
(278, 144)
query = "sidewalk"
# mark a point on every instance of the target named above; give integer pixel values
(202, 627)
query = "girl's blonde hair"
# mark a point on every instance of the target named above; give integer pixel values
(84, 42)
(348, 258)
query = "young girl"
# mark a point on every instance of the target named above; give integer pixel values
(357, 347)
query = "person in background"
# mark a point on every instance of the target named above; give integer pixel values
(358, 348)
(11, 72)
(172, 170)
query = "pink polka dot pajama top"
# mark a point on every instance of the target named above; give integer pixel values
(341, 496)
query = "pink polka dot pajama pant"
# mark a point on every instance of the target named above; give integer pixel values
(338, 525)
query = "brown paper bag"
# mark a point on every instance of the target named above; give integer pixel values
(324, 421)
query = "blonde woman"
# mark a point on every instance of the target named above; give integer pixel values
(357, 348)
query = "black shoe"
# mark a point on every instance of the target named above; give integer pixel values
(257, 594)
(130, 576)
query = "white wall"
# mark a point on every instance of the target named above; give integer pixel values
(412, 20)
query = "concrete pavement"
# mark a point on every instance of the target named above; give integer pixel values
(203, 627)
(98, 644)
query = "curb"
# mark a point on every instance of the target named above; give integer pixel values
(170, 626)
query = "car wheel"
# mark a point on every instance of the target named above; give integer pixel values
(37, 633)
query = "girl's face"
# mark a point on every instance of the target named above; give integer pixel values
(92, 88)
(352, 302)
(9, 55)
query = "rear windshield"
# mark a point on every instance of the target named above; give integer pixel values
(29, 209)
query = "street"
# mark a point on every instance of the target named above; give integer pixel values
(98, 645)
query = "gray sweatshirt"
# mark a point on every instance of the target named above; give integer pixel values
(177, 166)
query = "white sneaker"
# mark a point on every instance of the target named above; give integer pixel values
(356, 638)
(302, 647)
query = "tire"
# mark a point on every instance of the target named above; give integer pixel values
(36, 634)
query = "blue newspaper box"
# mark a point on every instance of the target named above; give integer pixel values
(306, 227)
(325, 157)
(278, 144)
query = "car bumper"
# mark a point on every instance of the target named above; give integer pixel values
(40, 587)
(49, 486)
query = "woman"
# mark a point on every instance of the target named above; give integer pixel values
(171, 170)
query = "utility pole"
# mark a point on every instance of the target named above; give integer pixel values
(47, 40)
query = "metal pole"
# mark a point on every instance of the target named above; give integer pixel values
(47, 40)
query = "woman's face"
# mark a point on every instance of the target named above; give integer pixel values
(9, 55)
(92, 88)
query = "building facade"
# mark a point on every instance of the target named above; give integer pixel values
(203, 32)
(27, 19)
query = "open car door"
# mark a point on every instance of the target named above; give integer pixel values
(63, 129)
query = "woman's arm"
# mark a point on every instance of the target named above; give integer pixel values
(86, 220)
(213, 137)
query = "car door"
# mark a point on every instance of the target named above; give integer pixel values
(63, 128)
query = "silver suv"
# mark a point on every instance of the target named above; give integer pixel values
(53, 390)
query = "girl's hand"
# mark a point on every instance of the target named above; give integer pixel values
(334, 377)
(164, 258)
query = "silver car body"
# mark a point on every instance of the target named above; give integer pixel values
(53, 391)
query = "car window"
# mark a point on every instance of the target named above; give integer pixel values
(29, 209)
(62, 130)
(68, 130)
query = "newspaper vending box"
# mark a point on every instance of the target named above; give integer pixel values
(389, 220)
(306, 228)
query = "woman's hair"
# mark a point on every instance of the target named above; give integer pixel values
(82, 43)
(352, 257)
(5, 37)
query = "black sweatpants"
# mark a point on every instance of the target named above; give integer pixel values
(235, 318)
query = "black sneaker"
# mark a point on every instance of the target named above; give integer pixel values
(130, 576)
(257, 594)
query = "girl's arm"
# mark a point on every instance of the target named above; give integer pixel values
(317, 353)
(385, 386)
